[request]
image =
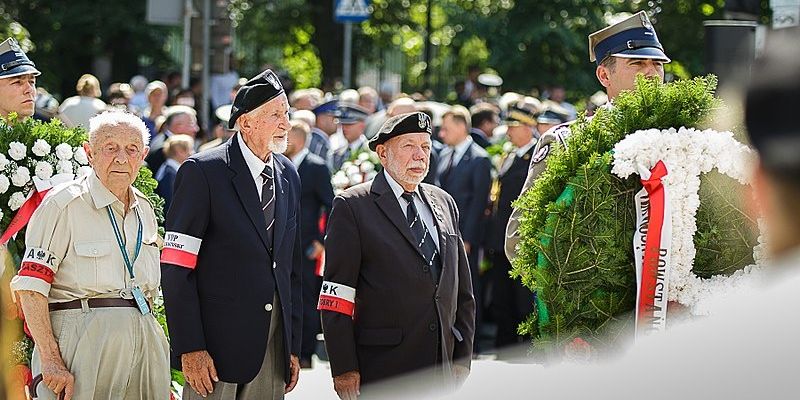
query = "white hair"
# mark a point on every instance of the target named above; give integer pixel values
(111, 119)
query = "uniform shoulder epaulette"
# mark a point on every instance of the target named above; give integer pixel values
(65, 193)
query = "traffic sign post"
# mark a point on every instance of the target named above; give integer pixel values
(349, 12)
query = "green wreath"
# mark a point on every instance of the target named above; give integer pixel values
(578, 220)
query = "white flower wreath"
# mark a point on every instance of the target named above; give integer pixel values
(687, 154)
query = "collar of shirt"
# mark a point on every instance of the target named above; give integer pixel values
(460, 149)
(524, 149)
(103, 197)
(254, 164)
(357, 143)
(167, 133)
(396, 188)
(299, 157)
(172, 163)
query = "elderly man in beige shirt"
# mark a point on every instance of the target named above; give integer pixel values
(90, 273)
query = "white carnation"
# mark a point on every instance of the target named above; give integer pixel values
(80, 156)
(64, 151)
(21, 176)
(16, 201)
(17, 150)
(65, 166)
(340, 180)
(4, 183)
(85, 171)
(367, 166)
(3, 161)
(41, 148)
(44, 170)
(355, 179)
(364, 156)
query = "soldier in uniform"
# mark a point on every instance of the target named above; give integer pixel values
(511, 301)
(231, 259)
(622, 51)
(90, 274)
(351, 117)
(17, 81)
(397, 294)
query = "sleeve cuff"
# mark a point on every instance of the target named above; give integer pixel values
(30, 283)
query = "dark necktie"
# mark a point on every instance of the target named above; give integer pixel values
(422, 236)
(268, 202)
(449, 167)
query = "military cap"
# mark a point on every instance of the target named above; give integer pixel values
(552, 113)
(771, 105)
(255, 92)
(350, 114)
(328, 107)
(523, 112)
(633, 37)
(13, 61)
(415, 122)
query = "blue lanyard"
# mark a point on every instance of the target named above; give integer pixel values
(120, 242)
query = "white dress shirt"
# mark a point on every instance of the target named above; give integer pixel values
(255, 165)
(423, 209)
(456, 152)
(299, 157)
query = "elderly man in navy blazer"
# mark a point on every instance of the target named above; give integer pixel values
(231, 261)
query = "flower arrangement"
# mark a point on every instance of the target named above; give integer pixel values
(579, 218)
(362, 166)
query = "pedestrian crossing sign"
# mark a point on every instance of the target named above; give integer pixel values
(351, 10)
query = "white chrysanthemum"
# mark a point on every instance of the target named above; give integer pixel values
(3, 161)
(340, 180)
(364, 156)
(21, 176)
(43, 170)
(41, 148)
(16, 201)
(65, 167)
(351, 170)
(80, 156)
(64, 151)
(4, 184)
(17, 151)
(355, 179)
(367, 166)
(84, 171)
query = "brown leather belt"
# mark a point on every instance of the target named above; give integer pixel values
(94, 303)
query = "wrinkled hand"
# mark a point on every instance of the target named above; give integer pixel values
(460, 373)
(348, 385)
(199, 371)
(294, 368)
(56, 376)
(318, 250)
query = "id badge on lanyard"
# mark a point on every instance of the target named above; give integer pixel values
(135, 291)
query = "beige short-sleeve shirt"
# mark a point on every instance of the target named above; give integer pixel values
(71, 249)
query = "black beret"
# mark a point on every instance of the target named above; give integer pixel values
(257, 91)
(771, 105)
(416, 122)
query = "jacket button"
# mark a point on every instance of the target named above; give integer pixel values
(432, 327)
(268, 307)
(425, 269)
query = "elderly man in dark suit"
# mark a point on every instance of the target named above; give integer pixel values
(397, 294)
(231, 260)
(465, 172)
(316, 200)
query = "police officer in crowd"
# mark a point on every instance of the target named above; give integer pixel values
(17, 81)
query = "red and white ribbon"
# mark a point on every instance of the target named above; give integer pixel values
(32, 202)
(652, 244)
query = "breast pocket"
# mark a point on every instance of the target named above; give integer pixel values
(148, 271)
(94, 263)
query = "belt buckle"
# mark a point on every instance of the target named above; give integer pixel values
(126, 294)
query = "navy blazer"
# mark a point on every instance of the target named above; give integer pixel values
(217, 273)
(469, 183)
(316, 197)
(166, 180)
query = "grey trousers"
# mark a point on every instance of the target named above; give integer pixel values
(269, 383)
(114, 353)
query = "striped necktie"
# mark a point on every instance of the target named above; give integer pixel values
(422, 236)
(268, 202)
